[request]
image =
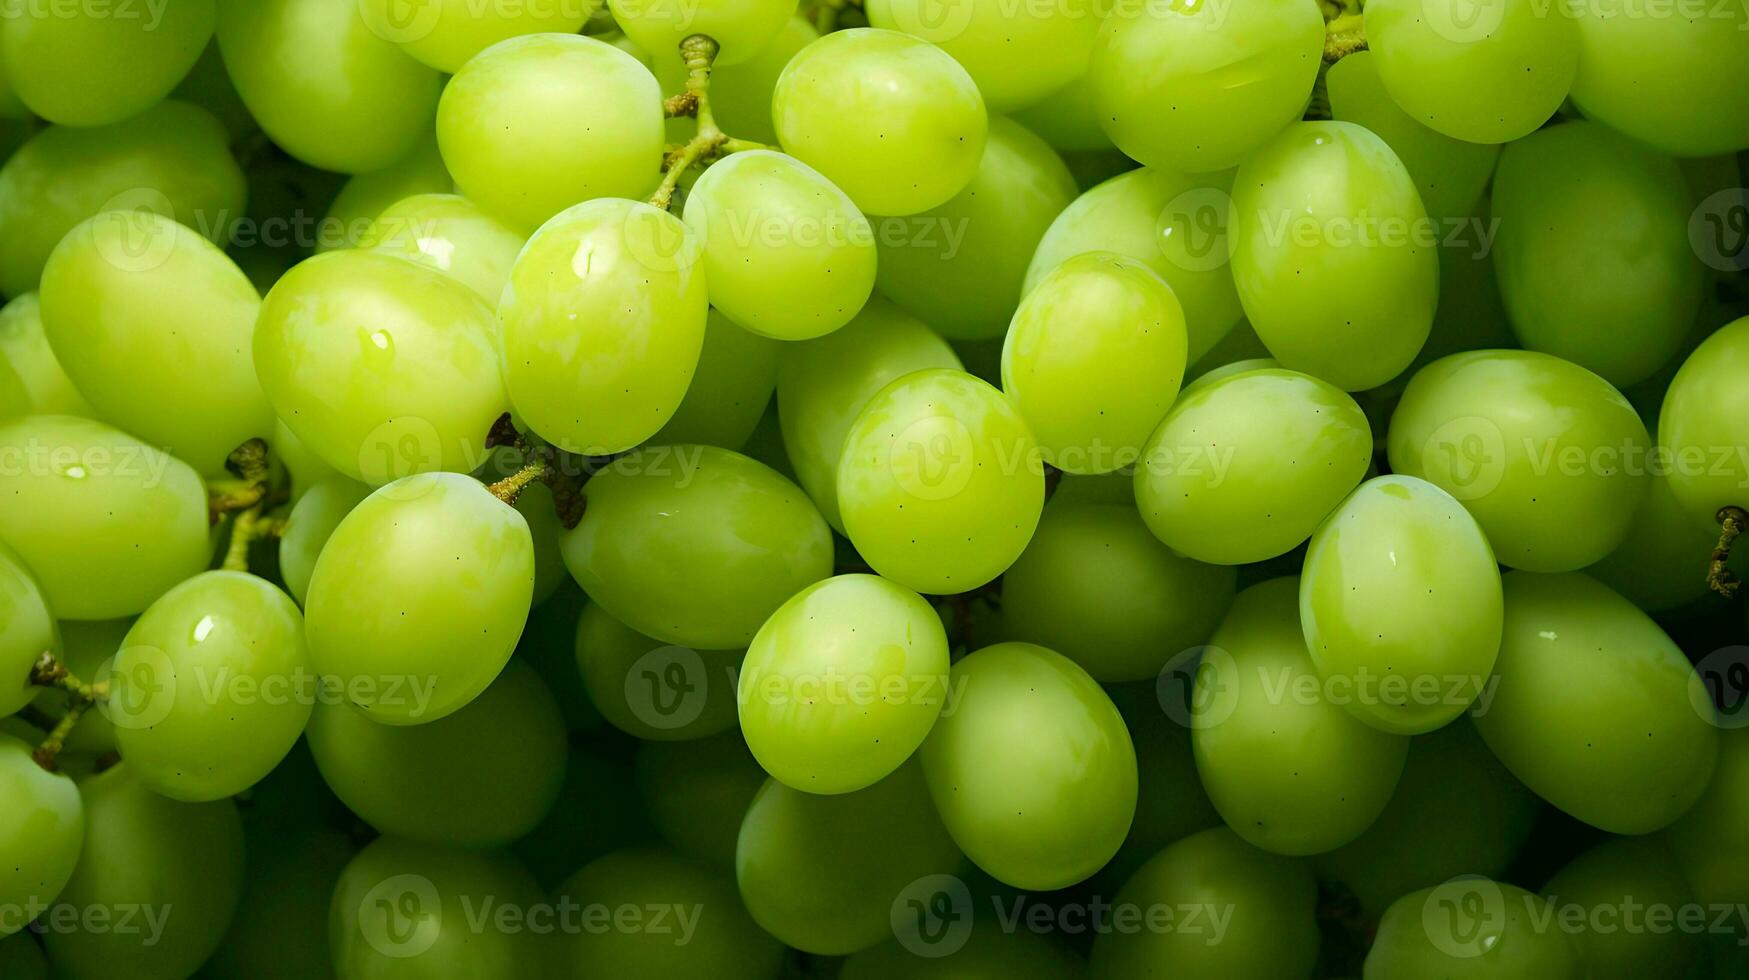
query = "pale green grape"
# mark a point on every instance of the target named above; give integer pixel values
(987, 952)
(365, 196)
(1068, 119)
(1227, 370)
(698, 791)
(1470, 928)
(1625, 889)
(381, 366)
(1667, 78)
(450, 234)
(418, 597)
(1550, 459)
(535, 124)
(87, 66)
(1093, 360)
(105, 522)
(1103, 488)
(143, 851)
(1017, 53)
(842, 683)
(823, 385)
(1705, 424)
(696, 545)
(768, 221)
(1170, 802)
(10, 106)
(598, 812)
(43, 386)
(1715, 827)
(647, 688)
(741, 28)
(940, 483)
(453, 781)
(1471, 314)
(548, 644)
(1288, 767)
(1333, 254)
(602, 324)
(721, 943)
(740, 93)
(41, 834)
(304, 467)
(1022, 708)
(1196, 86)
(891, 119)
(153, 323)
(1449, 174)
(446, 33)
(22, 959)
(86, 650)
(535, 504)
(1661, 565)
(27, 631)
(1271, 901)
(208, 85)
(822, 873)
(960, 266)
(1247, 466)
(172, 159)
(1094, 585)
(313, 519)
(290, 882)
(736, 375)
(1400, 603)
(1175, 223)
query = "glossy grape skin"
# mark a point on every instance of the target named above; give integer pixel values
(27, 630)
(1287, 766)
(1247, 466)
(940, 484)
(1596, 708)
(312, 520)
(1634, 875)
(1093, 359)
(383, 367)
(638, 696)
(1714, 826)
(698, 791)
(736, 375)
(1019, 707)
(105, 522)
(446, 33)
(1332, 254)
(41, 834)
(451, 234)
(43, 387)
(821, 873)
(602, 325)
(419, 596)
(764, 218)
(1273, 932)
(535, 124)
(1502, 431)
(987, 952)
(824, 384)
(1017, 55)
(1656, 566)
(695, 545)
(1197, 86)
(741, 28)
(1666, 80)
(96, 66)
(1471, 928)
(1705, 422)
(146, 851)
(172, 158)
(893, 120)
(1163, 218)
(365, 196)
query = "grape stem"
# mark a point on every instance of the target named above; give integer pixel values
(249, 526)
(709, 141)
(824, 15)
(1732, 521)
(1343, 36)
(542, 463)
(50, 672)
(249, 467)
(511, 487)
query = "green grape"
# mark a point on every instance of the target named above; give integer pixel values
(740, 93)
(1471, 314)
(450, 782)
(1472, 928)
(1096, 586)
(446, 33)
(988, 951)
(1611, 289)
(535, 124)
(27, 631)
(1197, 86)
(154, 324)
(1400, 604)
(741, 28)
(43, 387)
(86, 649)
(959, 266)
(1666, 77)
(1068, 119)
(1017, 54)
(418, 597)
(1103, 488)
(1170, 802)
(1271, 903)
(1175, 223)
(1484, 77)
(20, 956)
(1449, 174)
(1333, 254)
(105, 522)
(891, 119)
(40, 835)
(88, 66)
(290, 882)
(173, 159)
(736, 375)
(365, 196)
(1550, 459)
(11, 108)
(381, 366)
(823, 385)
(1705, 423)
(1022, 708)
(182, 862)
(1227, 370)
(598, 812)
(1621, 888)
(1715, 827)
(714, 936)
(303, 466)
(1597, 710)
(537, 507)
(842, 683)
(697, 792)
(409, 910)
(208, 85)
(1093, 360)
(1659, 565)
(599, 362)
(1247, 466)
(548, 644)
(765, 220)
(323, 86)
(1289, 768)
(450, 234)
(649, 689)
(822, 873)
(211, 687)
(313, 519)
